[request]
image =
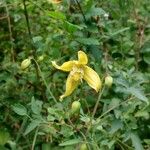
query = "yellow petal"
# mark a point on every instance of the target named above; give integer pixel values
(67, 66)
(71, 84)
(92, 78)
(82, 58)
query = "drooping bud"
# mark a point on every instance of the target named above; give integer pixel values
(83, 147)
(25, 63)
(108, 81)
(75, 107)
(40, 58)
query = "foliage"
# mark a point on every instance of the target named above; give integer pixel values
(114, 34)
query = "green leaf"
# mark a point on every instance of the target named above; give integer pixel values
(19, 109)
(119, 31)
(146, 47)
(138, 94)
(46, 146)
(32, 126)
(146, 58)
(115, 102)
(88, 41)
(57, 15)
(37, 39)
(116, 125)
(142, 113)
(36, 106)
(71, 27)
(70, 142)
(3, 148)
(136, 141)
(95, 12)
(89, 4)
(4, 137)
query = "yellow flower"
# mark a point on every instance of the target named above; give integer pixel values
(79, 70)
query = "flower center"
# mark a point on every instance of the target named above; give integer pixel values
(77, 73)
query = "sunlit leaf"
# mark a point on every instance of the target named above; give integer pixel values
(57, 15)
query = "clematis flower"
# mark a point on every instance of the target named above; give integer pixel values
(79, 70)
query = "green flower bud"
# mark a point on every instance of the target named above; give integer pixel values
(108, 81)
(40, 58)
(75, 107)
(25, 63)
(83, 147)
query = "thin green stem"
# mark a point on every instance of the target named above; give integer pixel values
(85, 139)
(80, 8)
(21, 129)
(35, 137)
(105, 113)
(42, 76)
(96, 105)
(95, 108)
(125, 145)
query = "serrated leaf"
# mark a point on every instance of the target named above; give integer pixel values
(138, 94)
(70, 142)
(88, 41)
(19, 109)
(95, 12)
(136, 141)
(115, 102)
(32, 126)
(116, 125)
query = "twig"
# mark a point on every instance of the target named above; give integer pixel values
(125, 145)
(10, 32)
(41, 74)
(81, 10)
(1, 18)
(105, 113)
(30, 35)
(95, 108)
(96, 105)
(21, 129)
(138, 37)
(27, 18)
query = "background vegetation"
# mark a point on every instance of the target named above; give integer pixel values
(115, 34)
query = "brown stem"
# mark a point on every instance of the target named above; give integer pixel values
(10, 33)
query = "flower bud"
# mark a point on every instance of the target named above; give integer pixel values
(40, 58)
(25, 63)
(75, 107)
(108, 81)
(83, 147)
